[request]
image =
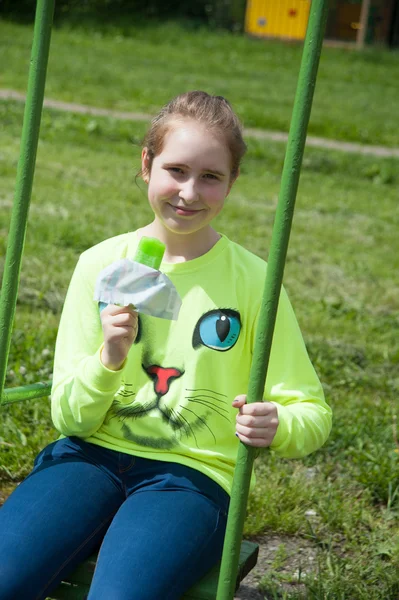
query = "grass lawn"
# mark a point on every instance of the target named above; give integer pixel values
(139, 68)
(342, 276)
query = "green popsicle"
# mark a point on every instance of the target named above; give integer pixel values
(150, 252)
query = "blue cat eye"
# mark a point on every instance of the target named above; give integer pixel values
(218, 330)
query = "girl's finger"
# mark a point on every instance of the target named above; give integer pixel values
(255, 442)
(114, 309)
(259, 409)
(254, 422)
(239, 401)
(123, 319)
(119, 319)
(250, 432)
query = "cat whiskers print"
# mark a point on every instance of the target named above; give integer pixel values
(185, 411)
(205, 398)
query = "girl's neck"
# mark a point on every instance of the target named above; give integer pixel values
(181, 247)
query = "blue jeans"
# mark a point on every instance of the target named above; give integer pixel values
(160, 525)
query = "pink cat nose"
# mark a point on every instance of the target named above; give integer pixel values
(162, 377)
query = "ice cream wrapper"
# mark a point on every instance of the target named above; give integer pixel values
(126, 282)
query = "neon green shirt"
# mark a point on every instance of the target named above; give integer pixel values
(172, 398)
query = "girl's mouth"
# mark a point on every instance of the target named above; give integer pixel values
(184, 212)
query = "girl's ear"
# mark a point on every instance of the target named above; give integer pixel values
(145, 165)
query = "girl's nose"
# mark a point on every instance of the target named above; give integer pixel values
(189, 192)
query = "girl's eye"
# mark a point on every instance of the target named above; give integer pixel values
(218, 330)
(175, 170)
(211, 176)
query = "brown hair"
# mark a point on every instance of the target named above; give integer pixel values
(214, 112)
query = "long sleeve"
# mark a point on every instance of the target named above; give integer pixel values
(83, 389)
(293, 386)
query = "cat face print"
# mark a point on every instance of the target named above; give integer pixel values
(176, 382)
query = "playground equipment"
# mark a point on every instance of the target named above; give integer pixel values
(286, 19)
(354, 22)
(238, 557)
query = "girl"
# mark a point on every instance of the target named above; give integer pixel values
(149, 430)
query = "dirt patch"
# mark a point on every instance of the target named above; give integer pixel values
(291, 557)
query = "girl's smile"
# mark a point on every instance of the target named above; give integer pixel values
(185, 212)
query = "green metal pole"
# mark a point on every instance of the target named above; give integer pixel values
(26, 392)
(24, 182)
(278, 251)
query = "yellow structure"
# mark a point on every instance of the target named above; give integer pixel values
(286, 19)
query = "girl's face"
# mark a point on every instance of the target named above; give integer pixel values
(190, 179)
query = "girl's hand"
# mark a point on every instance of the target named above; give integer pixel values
(120, 324)
(256, 422)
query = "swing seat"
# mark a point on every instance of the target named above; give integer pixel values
(76, 586)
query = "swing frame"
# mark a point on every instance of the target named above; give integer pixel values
(239, 557)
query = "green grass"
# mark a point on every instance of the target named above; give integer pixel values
(342, 276)
(138, 68)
